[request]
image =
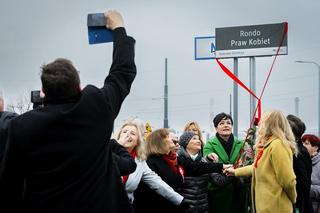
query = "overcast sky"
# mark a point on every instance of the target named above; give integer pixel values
(35, 32)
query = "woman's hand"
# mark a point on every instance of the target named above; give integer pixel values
(214, 157)
(124, 139)
(229, 171)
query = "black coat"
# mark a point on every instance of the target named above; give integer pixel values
(59, 153)
(5, 118)
(144, 196)
(302, 166)
(195, 185)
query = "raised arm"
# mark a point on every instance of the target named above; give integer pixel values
(123, 69)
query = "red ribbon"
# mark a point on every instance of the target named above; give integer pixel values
(239, 82)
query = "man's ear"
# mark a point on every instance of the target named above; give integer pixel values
(42, 93)
(1, 104)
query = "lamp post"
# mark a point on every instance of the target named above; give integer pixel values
(312, 62)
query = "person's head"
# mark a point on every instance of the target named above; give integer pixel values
(312, 143)
(275, 124)
(190, 142)
(60, 80)
(223, 123)
(297, 126)
(173, 136)
(193, 126)
(132, 129)
(159, 142)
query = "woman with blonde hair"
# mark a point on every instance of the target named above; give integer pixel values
(273, 179)
(193, 126)
(130, 136)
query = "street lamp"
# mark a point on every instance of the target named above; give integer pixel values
(312, 62)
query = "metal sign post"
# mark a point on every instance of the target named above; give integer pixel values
(252, 80)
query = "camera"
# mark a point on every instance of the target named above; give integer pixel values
(36, 99)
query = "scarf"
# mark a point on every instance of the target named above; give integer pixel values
(171, 160)
(259, 147)
(125, 177)
(227, 145)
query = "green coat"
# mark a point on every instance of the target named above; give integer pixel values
(230, 198)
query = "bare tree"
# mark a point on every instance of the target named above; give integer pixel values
(21, 105)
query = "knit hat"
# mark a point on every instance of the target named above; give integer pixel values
(185, 138)
(221, 116)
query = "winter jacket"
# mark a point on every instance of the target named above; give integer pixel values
(144, 196)
(195, 187)
(144, 174)
(273, 180)
(231, 196)
(302, 167)
(315, 183)
(5, 118)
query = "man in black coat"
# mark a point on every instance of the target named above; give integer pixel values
(58, 157)
(5, 118)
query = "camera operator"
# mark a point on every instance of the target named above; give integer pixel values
(5, 118)
(59, 151)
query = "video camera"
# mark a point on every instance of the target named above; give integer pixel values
(36, 98)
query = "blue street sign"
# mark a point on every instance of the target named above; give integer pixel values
(204, 48)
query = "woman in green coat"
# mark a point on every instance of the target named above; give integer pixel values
(226, 194)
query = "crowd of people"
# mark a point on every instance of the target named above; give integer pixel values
(62, 156)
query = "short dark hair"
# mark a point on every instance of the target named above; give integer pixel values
(297, 126)
(60, 79)
(221, 116)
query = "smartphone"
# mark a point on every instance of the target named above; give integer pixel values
(97, 31)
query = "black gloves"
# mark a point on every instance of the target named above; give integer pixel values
(219, 180)
(185, 207)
